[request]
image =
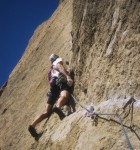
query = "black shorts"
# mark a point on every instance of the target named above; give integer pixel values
(55, 90)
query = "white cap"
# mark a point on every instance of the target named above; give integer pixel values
(53, 57)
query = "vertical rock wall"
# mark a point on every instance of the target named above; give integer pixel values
(106, 48)
(100, 39)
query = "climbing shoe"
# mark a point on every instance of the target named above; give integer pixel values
(32, 131)
(59, 112)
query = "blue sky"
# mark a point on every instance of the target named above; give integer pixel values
(18, 21)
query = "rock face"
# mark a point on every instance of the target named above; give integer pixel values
(106, 44)
(100, 40)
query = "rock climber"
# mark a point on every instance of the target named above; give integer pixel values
(60, 89)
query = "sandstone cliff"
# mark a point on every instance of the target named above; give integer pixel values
(100, 40)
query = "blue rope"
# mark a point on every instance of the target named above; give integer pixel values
(120, 120)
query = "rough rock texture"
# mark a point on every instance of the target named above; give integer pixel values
(100, 40)
(106, 43)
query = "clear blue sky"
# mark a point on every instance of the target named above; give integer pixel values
(18, 21)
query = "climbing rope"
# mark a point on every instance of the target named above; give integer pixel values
(92, 113)
(124, 131)
(80, 104)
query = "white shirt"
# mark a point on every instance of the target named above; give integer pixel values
(55, 71)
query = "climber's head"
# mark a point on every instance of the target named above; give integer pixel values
(53, 57)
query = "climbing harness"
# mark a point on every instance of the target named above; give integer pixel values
(93, 115)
